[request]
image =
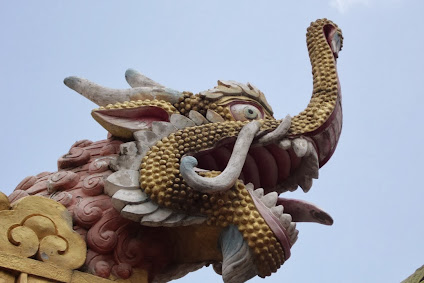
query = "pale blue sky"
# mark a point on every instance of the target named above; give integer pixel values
(372, 186)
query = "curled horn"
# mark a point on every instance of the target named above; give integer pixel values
(103, 96)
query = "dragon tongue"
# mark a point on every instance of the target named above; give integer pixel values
(302, 211)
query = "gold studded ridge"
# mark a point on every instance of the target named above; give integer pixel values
(325, 91)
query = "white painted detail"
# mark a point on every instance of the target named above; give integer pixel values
(154, 219)
(305, 183)
(279, 133)
(291, 228)
(300, 147)
(277, 210)
(270, 199)
(146, 137)
(125, 196)
(174, 220)
(192, 220)
(285, 220)
(163, 129)
(123, 179)
(137, 79)
(197, 118)
(259, 193)
(135, 212)
(294, 236)
(285, 144)
(103, 96)
(181, 122)
(214, 117)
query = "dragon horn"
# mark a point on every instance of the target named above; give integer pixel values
(103, 96)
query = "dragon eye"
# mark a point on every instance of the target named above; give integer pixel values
(250, 112)
(246, 111)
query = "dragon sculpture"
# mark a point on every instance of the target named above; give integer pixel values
(186, 180)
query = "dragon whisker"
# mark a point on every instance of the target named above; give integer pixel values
(231, 173)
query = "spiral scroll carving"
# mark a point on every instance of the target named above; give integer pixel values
(93, 184)
(39, 227)
(114, 246)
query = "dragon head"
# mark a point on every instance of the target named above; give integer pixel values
(207, 169)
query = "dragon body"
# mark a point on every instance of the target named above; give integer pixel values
(186, 180)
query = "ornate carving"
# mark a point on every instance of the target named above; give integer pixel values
(4, 202)
(183, 179)
(100, 165)
(17, 194)
(93, 184)
(76, 157)
(40, 227)
(90, 210)
(82, 143)
(26, 183)
(64, 198)
(62, 180)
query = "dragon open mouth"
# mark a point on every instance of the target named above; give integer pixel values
(270, 169)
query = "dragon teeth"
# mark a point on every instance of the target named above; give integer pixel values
(300, 147)
(285, 220)
(285, 144)
(307, 170)
(277, 210)
(305, 183)
(293, 187)
(259, 193)
(312, 162)
(291, 228)
(311, 169)
(270, 199)
(294, 236)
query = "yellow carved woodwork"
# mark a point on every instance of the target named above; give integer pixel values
(4, 202)
(41, 228)
(37, 244)
(6, 277)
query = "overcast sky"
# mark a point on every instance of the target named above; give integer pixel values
(371, 186)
